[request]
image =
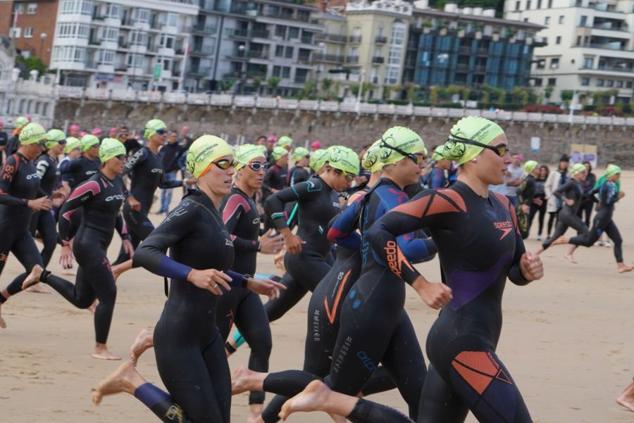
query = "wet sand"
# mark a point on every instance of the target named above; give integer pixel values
(565, 341)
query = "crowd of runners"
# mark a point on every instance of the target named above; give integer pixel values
(346, 227)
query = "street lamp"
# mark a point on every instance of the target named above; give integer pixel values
(43, 36)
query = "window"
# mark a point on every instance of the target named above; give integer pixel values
(73, 7)
(28, 32)
(277, 71)
(546, 40)
(172, 20)
(541, 64)
(539, 4)
(517, 5)
(609, 83)
(628, 84)
(72, 30)
(547, 20)
(113, 11)
(588, 62)
(525, 19)
(552, 82)
(17, 31)
(106, 57)
(279, 51)
(618, 84)
(110, 34)
(166, 41)
(550, 4)
(286, 72)
(280, 31)
(583, 21)
(142, 15)
(289, 53)
(392, 75)
(18, 9)
(585, 82)
(558, 39)
(31, 9)
(528, 5)
(600, 82)
(554, 63)
(293, 33)
(138, 38)
(561, 19)
(538, 82)
(135, 60)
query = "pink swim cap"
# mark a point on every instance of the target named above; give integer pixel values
(315, 145)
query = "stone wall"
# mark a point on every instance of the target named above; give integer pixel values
(615, 144)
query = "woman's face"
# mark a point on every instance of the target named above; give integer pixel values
(250, 177)
(75, 153)
(543, 172)
(490, 167)
(58, 149)
(116, 164)
(615, 178)
(218, 180)
(404, 172)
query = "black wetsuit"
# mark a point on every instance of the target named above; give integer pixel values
(99, 199)
(298, 174)
(240, 305)
(147, 174)
(19, 182)
(43, 222)
(190, 353)
(587, 203)
(603, 222)
(318, 203)
(479, 246)
(13, 145)
(74, 172)
(373, 327)
(571, 190)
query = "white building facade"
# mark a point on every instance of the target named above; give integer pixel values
(589, 46)
(123, 43)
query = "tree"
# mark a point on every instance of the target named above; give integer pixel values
(272, 84)
(227, 84)
(27, 64)
(257, 83)
(326, 86)
(548, 92)
(309, 90)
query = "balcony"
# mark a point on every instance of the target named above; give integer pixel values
(239, 33)
(307, 39)
(606, 68)
(354, 39)
(352, 60)
(378, 60)
(200, 71)
(260, 33)
(245, 55)
(483, 52)
(203, 51)
(328, 58)
(607, 46)
(206, 29)
(333, 38)
(304, 59)
(606, 27)
(380, 39)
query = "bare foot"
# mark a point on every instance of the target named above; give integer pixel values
(570, 258)
(624, 268)
(143, 341)
(33, 277)
(560, 241)
(102, 353)
(117, 382)
(242, 380)
(310, 399)
(626, 399)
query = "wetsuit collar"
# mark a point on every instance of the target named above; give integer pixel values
(387, 181)
(235, 187)
(202, 199)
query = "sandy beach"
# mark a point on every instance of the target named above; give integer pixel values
(565, 341)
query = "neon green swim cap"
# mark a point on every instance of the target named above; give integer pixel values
(317, 161)
(372, 158)
(152, 126)
(278, 153)
(53, 137)
(32, 133)
(438, 153)
(21, 122)
(577, 168)
(612, 170)
(470, 128)
(343, 158)
(205, 150)
(284, 141)
(299, 153)
(530, 166)
(247, 152)
(88, 141)
(109, 148)
(72, 143)
(403, 139)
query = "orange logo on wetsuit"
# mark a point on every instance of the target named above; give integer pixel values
(394, 257)
(506, 227)
(332, 313)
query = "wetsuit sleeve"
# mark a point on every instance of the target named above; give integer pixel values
(235, 207)
(562, 190)
(77, 198)
(430, 209)
(274, 204)
(68, 168)
(270, 175)
(151, 254)
(41, 167)
(415, 248)
(121, 227)
(167, 184)
(136, 159)
(9, 170)
(342, 227)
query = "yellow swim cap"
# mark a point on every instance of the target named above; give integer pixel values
(460, 146)
(204, 151)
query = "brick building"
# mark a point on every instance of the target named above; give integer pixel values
(31, 25)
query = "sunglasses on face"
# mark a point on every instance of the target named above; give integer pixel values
(257, 166)
(501, 149)
(161, 131)
(225, 164)
(62, 142)
(412, 157)
(347, 175)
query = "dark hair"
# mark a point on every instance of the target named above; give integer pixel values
(564, 158)
(585, 162)
(547, 169)
(261, 137)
